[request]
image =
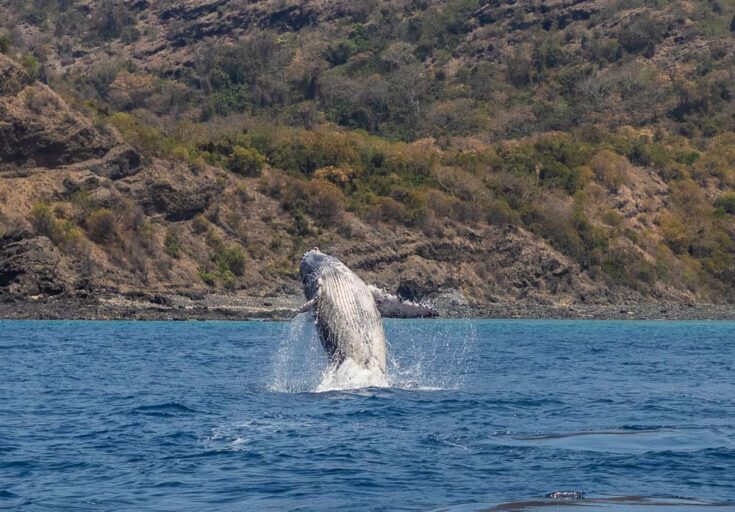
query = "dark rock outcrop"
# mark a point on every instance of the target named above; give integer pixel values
(31, 265)
(178, 198)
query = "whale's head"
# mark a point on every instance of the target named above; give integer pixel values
(312, 264)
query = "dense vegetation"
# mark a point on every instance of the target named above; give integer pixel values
(609, 132)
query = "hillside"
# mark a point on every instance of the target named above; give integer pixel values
(475, 153)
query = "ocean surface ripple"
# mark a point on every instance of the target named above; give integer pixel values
(173, 416)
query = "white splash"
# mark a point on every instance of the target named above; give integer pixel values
(300, 360)
(430, 354)
(422, 355)
(350, 375)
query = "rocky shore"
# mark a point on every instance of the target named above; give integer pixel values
(243, 307)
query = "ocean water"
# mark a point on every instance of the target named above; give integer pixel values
(179, 416)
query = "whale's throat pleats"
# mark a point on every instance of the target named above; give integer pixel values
(348, 320)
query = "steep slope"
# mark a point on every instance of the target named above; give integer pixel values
(481, 152)
(95, 222)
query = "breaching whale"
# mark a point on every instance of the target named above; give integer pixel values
(348, 312)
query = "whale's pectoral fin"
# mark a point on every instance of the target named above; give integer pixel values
(391, 306)
(309, 306)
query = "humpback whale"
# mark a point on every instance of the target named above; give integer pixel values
(347, 312)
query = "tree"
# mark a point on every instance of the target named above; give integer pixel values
(4, 43)
(340, 52)
(112, 20)
(518, 68)
(31, 65)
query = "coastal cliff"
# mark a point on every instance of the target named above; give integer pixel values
(497, 158)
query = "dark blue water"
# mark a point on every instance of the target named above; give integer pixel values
(193, 416)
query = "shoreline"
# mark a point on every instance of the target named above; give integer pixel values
(243, 308)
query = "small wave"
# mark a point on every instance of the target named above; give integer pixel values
(623, 432)
(165, 409)
(414, 386)
(614, 503)
(197, 455)
(169, 483)
(662, 442)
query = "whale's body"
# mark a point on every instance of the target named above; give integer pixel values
(347, 317)
(346, 311)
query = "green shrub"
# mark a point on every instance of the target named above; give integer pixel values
(612, 217)
(554, 173)
(321, 199)
(727, 202)
(172, 245)
(231, 260)
(518, 69)
(209, 278)
(67, 234)
(228, 279)
(230, 263)
(42, 220)
(500, 212)
(325, 202)
(387, 209)
(4, 43)
(611, 169)
(63, 233)
(31, 65)
(626, 267)
(675, 233)
(301, 227)
(102, 226)
(200, 224)
(246, 161)
(180, 153)
(339, 52)
(642, 33)
(548, 54)
(145, 138)
(688, 157)
(232, 98)
(111, 19)
(646, 153)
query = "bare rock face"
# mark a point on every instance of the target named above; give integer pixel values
(38, 129)
(544, 15)
(179, 195)
(32, 266)
(491, 264)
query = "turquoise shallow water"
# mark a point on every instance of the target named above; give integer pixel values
(223, 416)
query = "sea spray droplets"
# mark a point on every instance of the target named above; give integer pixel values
(300, 360)
(440, 361)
